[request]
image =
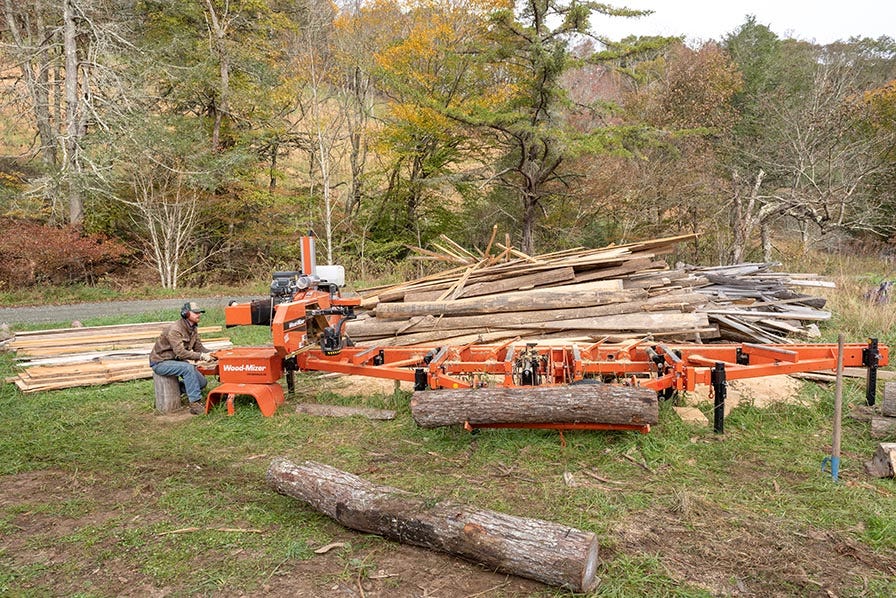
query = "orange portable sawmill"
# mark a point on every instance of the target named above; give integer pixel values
(307, 313)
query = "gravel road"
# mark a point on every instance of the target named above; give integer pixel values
(66, 314)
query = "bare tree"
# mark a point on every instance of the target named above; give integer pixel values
(32, 50)
(166, 209)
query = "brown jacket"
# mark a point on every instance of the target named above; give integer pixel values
(179, 340)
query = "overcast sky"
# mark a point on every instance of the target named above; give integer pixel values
(821, 21)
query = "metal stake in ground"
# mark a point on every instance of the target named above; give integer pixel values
(834, 459)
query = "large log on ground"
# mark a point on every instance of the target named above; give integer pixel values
(577, 403)
(549, 552)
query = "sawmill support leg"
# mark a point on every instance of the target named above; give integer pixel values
(720, 392)
(871, 357)
(291, 383)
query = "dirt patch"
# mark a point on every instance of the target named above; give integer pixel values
(351, 386)
(698, 542)
(732, 555)
(759, 392)
(34, 540)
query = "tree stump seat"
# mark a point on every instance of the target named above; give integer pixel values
(168, 392)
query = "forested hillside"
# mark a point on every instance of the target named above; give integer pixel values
(201, 137)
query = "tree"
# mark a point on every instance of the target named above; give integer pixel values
(162, 172)
(66, 51)
(802, 147)
(34, 54)
(424, 71)
(527, 51)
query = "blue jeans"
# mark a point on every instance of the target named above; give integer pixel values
(193, 381)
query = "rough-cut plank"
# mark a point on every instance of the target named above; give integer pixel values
(548, 552)
(319, 410)
(538, 279)
(637, 322)
(883, 427)
(577, 403)
(883, 462)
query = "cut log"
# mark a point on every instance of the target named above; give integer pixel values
(577, 403)
(167, 391)
(883, 463)
(548, 552)
(883, 427)
(370, 328)
(578, 295)
(888, 404)
(342, 411)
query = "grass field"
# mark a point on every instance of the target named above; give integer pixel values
(100, 497)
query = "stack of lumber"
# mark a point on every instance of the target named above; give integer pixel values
(750, 302)
(86, 356)
(619, 292)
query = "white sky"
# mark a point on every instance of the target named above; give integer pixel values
(821, 21)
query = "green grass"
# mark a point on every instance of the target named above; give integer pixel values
(108, 291)
(183, 505)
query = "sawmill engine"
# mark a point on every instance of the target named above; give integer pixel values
(530, 367)
(284, 287)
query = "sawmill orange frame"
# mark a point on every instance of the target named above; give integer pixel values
(307, 315)
(660, 367)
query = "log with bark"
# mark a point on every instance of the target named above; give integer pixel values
(888, 404)
(883, 426)
(573, 404)
(883, 462)
(548, 552)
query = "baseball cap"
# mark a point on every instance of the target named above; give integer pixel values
(193, 307)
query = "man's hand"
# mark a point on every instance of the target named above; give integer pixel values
(206, 357)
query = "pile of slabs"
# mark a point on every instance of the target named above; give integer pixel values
(88, 356)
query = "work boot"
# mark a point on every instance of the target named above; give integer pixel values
(197, 408)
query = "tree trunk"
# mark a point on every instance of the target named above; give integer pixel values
(577, 403)
(637, 302)
(72, 114)
(167, 393)
(548, 552)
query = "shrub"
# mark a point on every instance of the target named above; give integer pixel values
(32, 253)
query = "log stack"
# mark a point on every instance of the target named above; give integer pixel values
(87, 356)
(619, 292)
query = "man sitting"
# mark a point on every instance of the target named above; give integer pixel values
(174, 349)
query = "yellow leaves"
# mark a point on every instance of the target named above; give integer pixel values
(420, 117)
(882, 102)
